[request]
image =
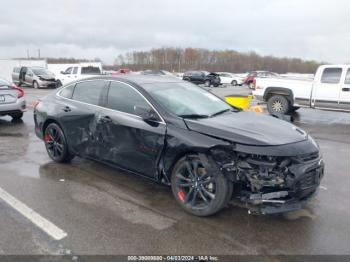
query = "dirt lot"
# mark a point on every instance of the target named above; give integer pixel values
(106, 211)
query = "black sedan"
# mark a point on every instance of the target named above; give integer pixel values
(179, 134)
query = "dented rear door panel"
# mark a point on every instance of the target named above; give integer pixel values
(130, 142)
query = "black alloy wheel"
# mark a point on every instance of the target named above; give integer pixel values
(199, 192)
(55, 143)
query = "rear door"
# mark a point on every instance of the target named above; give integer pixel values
(327, 88)
(79, 113)
(344, 96)
(127, 140)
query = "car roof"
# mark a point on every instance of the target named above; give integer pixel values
(140, 79)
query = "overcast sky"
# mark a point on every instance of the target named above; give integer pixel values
(309, 29)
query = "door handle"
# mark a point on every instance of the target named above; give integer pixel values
(346, 89)
(67, 109)
(105, 119)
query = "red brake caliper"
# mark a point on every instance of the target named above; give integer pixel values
(181, 195)
(47, 138)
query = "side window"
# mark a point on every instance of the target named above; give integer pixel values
(89, 91)
(75, 70)
(124, 98)
(331, 75)
(68, 70)
(67, 91)
(347, 77)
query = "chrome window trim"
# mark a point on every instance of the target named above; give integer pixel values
(114, 110)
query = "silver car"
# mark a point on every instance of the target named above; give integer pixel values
(37, 77)
(12, 100)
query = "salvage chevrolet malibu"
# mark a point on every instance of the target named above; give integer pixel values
(181, 135)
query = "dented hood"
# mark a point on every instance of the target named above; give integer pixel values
(248, 128)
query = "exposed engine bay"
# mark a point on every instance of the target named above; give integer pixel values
(271, 183)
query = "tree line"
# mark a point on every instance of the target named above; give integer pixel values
(183, 59)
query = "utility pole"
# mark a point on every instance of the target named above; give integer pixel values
(39, 53)
(28, 53)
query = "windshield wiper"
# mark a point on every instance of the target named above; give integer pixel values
(194, 116)
(220, 112)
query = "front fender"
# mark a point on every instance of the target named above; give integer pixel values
(180, 141)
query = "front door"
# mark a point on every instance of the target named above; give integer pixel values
(128, 140)
(327, 88)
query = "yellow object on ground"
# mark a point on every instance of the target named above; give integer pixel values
(239, 101)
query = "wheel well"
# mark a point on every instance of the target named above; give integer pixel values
(169, 171)
(47, 122)
(275, 91)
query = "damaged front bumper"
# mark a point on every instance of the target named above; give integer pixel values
(270, 184)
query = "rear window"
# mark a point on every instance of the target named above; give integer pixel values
(16, 70)
(89, 91)
(90, 70)
(67, 91)
(331, 75)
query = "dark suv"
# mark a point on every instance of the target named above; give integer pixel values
(202, 77)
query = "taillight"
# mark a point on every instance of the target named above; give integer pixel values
(36, 103)
(20, 91)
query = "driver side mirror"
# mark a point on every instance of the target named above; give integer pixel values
(147, 114)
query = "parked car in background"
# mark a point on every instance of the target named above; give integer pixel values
(202, 77)
(229, 78)
(252, 75)
(12, 100)
(121, 71)
(37, 77)
(183, 136)
(156, 72)
(330, 89)
(76, 73)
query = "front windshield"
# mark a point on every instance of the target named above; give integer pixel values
(185, 99)
(41, 71)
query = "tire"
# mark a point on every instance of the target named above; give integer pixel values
(58, 84)
(278, 104)
(197, 192)
(207, 83)
(56, 144)
(234, 83)
(17, 116)
(35, 85)
(251, 85)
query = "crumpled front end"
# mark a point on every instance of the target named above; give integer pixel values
(269, 184)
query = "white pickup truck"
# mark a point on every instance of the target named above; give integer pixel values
(77, 72)
(330, 90)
